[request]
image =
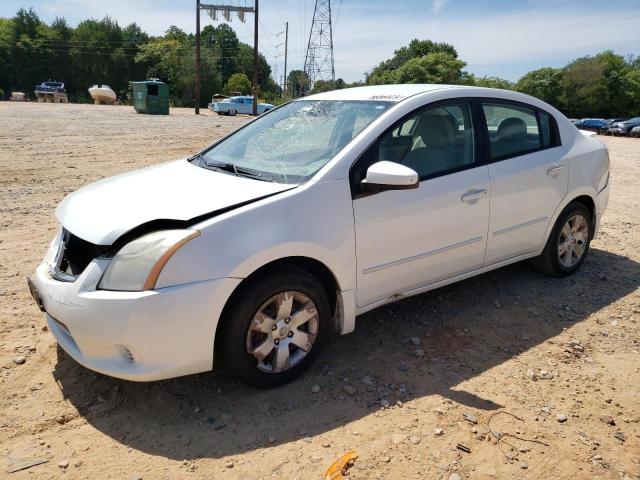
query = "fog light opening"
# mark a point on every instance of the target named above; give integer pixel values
(126, 354)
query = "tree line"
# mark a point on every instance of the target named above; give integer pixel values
(102, 52)
(605, 85)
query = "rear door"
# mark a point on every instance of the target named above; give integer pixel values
(529, 177)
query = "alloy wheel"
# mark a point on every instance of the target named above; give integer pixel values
(573, 240)
(283, 331)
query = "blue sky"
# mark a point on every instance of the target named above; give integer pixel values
(496, 38)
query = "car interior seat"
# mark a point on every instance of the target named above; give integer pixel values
(439, 151)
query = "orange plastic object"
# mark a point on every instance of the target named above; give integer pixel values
(340, 466)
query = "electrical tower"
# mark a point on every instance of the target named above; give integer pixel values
(318, 63)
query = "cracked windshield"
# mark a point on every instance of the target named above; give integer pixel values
(293, 142)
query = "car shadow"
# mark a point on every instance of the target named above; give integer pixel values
(464, 329)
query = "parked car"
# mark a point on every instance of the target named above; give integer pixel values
(591, 124)
(50, 87)
(635, 132)
(243, 104)
(610, 123)
(623, 128)
(251, 251)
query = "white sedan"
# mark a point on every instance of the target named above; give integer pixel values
(251, 251)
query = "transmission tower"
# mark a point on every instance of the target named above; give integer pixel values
(318, 63)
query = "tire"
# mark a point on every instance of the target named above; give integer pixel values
(558, 261)
(232, 113)
(248, 325)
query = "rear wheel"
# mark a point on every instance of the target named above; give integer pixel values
(568, 244)
(232, 113)
(275, 328)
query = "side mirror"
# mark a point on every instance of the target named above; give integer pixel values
(386, 175)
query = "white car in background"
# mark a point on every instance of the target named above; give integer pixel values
(242, 104)
(251, 251)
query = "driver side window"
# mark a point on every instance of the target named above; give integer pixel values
(433, 142)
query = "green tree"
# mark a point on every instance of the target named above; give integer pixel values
(224, 41)
(632, 81)
(545, 84)
(172, 58)
(493, 82)
(615, 87)
(6, 29)
(419, 66)
(239, 83)
(326, 85)
(438, 67)
(298, 83)
(581, 87)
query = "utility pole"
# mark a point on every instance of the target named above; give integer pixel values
(286, 46)
(226, 13)
(255, 60)
(318, 62)
(198, 57)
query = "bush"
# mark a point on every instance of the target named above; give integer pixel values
(238, 82)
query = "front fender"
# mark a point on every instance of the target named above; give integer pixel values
(314, 220)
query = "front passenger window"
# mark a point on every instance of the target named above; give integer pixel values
(436, 141)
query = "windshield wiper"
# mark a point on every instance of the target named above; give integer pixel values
(232, 168)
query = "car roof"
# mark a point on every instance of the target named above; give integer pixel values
(391, 93)
(403, 92)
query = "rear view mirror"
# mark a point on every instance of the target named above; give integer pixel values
(389, 176)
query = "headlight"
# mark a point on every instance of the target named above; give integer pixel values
(138, 264)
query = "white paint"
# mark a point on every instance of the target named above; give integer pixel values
(379, 247)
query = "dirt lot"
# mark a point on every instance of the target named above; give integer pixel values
(558, 354)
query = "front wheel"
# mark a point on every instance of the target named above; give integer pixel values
(275, 328)
(232, 113)
(568, 244)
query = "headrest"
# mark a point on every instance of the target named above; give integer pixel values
(512, 128)
(437, 131)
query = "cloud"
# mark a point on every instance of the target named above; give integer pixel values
(438, 5)
(491, 40)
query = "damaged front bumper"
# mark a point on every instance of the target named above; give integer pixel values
(140, 336)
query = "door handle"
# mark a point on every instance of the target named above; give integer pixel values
(554, 170)
(473, 195)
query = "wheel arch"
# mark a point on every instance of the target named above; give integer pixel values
(585, 196)
(314, 267)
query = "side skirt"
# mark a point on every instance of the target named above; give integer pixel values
(432, 286)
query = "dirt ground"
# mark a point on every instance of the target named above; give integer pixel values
(561, 355)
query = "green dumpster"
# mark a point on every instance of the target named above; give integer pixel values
(151, 96)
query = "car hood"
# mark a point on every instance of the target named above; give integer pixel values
(103, 211)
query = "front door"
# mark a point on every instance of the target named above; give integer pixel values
(406, 239)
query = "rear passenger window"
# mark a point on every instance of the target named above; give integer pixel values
(546, 129)
(513, 130)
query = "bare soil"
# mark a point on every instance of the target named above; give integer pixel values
(557, 353)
